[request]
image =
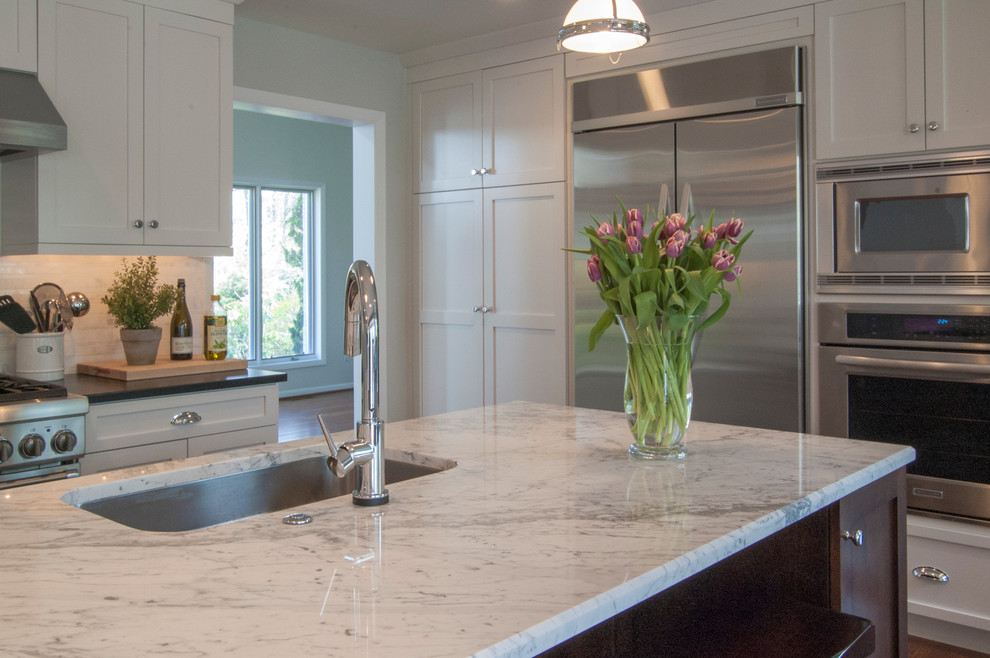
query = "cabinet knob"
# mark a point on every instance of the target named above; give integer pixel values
(153, 223)
(186, 418)
(932, 126)
(138, 223)
(931, 573)
(475, 308)
(480, 172)
(487, 309)
(855, 537)
(913, 128)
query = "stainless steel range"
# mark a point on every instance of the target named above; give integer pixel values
(42, 431)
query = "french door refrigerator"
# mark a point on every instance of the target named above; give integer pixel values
(749, 366)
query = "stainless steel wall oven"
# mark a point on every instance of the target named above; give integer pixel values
(919, 375)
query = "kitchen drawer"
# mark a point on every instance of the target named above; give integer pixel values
(962, 552)
(97, 462)
(206, 445)
(114, 425)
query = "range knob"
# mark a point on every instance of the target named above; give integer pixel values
(6, 450)
(32, 445)
(64, 441)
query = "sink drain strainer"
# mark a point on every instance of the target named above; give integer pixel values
(297, 519)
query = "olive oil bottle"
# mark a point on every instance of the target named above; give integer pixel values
(181, 327)
(215, 331)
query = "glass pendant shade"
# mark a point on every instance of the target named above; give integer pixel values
(603, 26)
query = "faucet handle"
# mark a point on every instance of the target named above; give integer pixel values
(326, 435)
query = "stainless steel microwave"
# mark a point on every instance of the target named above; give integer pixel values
(927, 219)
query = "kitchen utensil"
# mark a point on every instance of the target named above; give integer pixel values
(53, 307)
(14, 316)
(78, 304)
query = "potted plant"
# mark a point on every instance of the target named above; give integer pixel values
(135, 300)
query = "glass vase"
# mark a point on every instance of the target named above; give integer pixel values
(658, 395)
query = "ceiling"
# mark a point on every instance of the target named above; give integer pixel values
(402, 26)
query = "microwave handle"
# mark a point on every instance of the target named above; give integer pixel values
(904, 364)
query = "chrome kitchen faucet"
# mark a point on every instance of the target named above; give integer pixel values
(361, 337)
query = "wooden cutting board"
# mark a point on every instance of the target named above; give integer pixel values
(162, 368)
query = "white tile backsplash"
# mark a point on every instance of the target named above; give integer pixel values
(94, 336)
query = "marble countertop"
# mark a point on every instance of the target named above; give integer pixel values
(543, 528)
(103, 389)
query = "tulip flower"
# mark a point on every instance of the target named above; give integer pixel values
(673, 224)
(604, 229)
(708, 239)
(633, 245)
(734, 228)
(675, 245)
(634, 215)
(635, 228)
(594, 269)
(722, 260)
(731, 275)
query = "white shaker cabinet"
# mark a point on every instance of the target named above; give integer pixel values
(896, 76)
(500, 126)
(491, 288)
(163, 428)
(147, 98)
(18, 35)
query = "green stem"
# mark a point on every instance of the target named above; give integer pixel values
(657, 375)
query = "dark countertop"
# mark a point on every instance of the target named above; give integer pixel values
(102, 389)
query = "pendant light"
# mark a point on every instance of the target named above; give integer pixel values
(603, 26)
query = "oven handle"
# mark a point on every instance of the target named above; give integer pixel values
(904, 364)
(39, 479)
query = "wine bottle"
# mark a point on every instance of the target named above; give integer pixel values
(182, 331)
(215, 331)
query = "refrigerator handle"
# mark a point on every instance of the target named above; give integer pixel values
(687, 201)
(664, 200)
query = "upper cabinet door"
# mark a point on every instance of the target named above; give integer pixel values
(525, 123)
(19, 35)
(188, 130)
(869, 77)
(446, 115)
(89, 62)
(501, 126)
(958, 82)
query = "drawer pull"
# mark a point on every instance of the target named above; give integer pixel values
(931, 573)
(186, 418)
(854, 537)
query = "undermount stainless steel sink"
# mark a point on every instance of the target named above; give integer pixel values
(212, 501)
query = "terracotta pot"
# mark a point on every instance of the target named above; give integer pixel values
(141, 345)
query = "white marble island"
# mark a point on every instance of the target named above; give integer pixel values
(542, 529)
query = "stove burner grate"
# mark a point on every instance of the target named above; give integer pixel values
(13, 389)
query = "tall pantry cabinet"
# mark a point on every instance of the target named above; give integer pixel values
(489, 151)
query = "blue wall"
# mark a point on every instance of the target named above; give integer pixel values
(280, 150)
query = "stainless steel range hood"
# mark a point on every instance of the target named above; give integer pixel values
(29, 122)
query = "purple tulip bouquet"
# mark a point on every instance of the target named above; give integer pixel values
(656, 283)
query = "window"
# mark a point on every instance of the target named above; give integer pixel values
(268, 285)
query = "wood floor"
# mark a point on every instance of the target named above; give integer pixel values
(297, 420)
(919, 648)
(297, 416)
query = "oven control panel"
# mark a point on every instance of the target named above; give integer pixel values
(34, 442)
(963, 327)
(935, 327)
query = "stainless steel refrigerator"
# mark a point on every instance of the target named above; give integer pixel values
(738, 162)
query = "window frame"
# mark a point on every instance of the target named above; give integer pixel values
(312, 253)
